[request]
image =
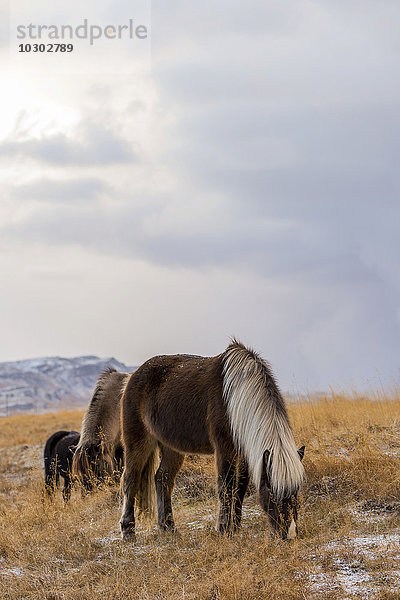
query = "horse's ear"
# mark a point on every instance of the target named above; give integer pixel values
(300, 452)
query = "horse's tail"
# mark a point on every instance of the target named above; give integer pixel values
(94, 457)
(146, 494)
(50, 471)
(259, 420)
(93, 463)
(100, 432)
(118, 459)
(81, 462)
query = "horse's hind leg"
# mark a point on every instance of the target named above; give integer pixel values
(138, 449)
(50, 478)
(67, 488)
(241, 487)
(170, 464)
(226, 467)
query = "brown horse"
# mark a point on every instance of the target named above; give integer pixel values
(229, 405)
(99, 454)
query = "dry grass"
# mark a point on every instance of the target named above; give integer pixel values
(349, 543)
(35, 429)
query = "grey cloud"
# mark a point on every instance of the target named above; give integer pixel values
(4, 27)
(327, 138)
(276, 126)
(93, 145)
(302, 129)
(282, 126)
(299, 126)
(70, 190)
(278, 248)
(210, 19)
(323, 59)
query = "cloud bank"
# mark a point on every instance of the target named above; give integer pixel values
(247, 184)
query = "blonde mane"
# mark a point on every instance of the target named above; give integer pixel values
(259, 421)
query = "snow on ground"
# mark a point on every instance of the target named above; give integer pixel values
(10, 571)
(14, 571)
(350, 570)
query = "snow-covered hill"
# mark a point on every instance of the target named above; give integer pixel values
(51, 383)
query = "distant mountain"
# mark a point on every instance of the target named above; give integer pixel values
(51, 383)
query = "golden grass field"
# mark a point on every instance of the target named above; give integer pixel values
(349, 524)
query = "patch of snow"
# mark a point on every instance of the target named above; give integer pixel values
(350, 574)
(195, 525)
(108, 540)
(367, 516)
(392, 452)
(352, 578)
(253, 511)
(13, 572)
(200, 524)
(389, 542)
(371, 543)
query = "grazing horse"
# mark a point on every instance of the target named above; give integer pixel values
(229, 405)
(99, 455)
(58, 455)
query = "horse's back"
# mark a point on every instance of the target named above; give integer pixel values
(52, 442)
(172, 396)
(60, 448)
(66, 447)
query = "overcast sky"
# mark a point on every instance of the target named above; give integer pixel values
(234, 174)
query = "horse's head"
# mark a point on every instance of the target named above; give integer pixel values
(92, 464)
(282, 513)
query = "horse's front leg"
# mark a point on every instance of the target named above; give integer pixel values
(240, 491)
(226, 468)
(170, 464)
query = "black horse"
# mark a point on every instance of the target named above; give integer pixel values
(58, 454)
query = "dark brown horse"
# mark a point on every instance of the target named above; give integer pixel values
(229, 405)
(99, 455)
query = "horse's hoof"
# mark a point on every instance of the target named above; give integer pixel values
(167, 528)
(177, 534)
(224, 530)
(128, 534)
